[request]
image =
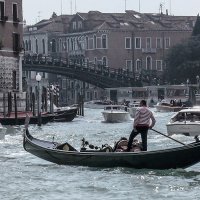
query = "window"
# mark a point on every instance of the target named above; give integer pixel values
(53, 45)
(159, 65)
(104, 41)
(29, 45)
(80, 24)
(95, 42)
(127, 43)
(129, 65)
(149, 63)
(167, 43)
(16, 42)
(43, 46)
(148, 42)
(138, 65)
(2, 10)
(36, 46)
(87, 43)
(26, 45)
(138, 43)
(15, 13)
(158, 43)
(104, 61)
(64, 83)
(74, 25)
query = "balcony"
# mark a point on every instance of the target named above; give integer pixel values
(148, 50)
(77, 53)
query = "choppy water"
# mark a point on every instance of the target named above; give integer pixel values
(26, 177)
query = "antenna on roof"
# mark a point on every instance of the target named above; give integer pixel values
(160, 8)
(75, 6)
(139, 6)
(61, 6)
(125, 4)
(71, 6)
(39, 12)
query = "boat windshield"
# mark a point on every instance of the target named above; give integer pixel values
(187, 116)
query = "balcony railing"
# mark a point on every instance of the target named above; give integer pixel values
(148, 50)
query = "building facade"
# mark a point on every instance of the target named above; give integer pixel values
(132, 41)
(137, 43)
(11, 51)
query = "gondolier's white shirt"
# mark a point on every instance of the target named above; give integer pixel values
(144, 117)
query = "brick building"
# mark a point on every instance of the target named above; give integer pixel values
(11, 29)
(132, 41)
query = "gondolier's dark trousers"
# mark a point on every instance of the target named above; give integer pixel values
(143, 130)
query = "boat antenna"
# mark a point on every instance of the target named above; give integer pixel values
(139, 6)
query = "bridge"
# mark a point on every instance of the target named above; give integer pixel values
(98, 75)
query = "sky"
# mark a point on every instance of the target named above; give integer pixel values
(36, 10)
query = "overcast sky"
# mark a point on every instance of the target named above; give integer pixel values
(36, 10)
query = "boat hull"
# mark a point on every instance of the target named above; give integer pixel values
(180, 157)
(184, 128)
(113, 117)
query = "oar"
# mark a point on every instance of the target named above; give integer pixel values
(168, 136)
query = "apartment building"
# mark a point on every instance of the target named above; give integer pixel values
(11, 29)
(133, 41)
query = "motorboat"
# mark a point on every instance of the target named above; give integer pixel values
(186, 122)
(106, 156)
(132, 108)
(97, 104)
(172, 106)
(116, 113)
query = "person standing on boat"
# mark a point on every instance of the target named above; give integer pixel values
(143, 120)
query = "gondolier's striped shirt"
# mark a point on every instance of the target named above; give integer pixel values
(144, 117)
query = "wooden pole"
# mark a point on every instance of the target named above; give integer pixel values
(15, 103)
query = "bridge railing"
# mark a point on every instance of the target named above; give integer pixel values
(115, 73)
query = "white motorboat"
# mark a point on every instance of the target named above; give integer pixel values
(186, 122)
(115, 113)
(132, 108)
(96, 104)
(164, 106)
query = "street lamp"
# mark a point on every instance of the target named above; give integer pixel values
(188, 81)
(197, 77)
(38, 79)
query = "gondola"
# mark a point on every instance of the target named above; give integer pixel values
(66, 115)
(21, 120)
(64, 154)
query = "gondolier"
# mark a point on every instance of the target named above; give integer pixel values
(143, 120)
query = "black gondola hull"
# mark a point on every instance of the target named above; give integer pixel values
(180, 157)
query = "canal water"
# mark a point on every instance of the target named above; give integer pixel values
(26, 177)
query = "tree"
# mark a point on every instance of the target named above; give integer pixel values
(183, 60)
(196, 30)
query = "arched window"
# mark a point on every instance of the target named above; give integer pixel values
(104, 41)
(148, 63)
(26, 45)
(36, 46)
(43, 46)
(104, 61)
(87, 43)
(95, 41)
(138, 65)
(53, 48)
(60, 45)
(29, 45)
